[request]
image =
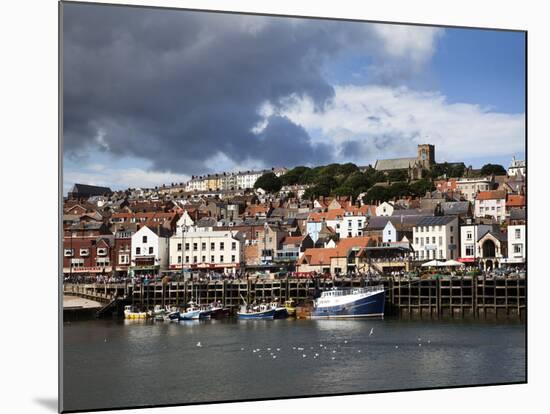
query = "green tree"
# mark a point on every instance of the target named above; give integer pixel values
(269, 182)
(421, 187)
(489, 169)
(294, 176)
(376, 194)
(397, 175)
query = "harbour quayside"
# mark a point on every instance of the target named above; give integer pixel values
(350, 303)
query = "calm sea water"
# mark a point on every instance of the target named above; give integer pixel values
(132, 363)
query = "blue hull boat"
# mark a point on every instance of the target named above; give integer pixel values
(265, 314)
(174, 316)
(352, 303)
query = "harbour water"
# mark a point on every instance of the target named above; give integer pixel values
(116, 363)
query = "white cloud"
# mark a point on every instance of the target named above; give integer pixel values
(389, 122)
(416, 43)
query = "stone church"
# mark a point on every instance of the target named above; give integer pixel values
(424, 160)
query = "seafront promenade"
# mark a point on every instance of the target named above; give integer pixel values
(475, 297)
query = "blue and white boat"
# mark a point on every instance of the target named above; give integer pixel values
(194, 312)
(262, 311)
(350, 303)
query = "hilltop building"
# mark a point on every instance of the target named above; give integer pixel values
(414, 166)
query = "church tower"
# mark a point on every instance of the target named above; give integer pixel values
(426, 155)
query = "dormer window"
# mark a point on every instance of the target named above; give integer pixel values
(101, 251)
(68, 252)
(84, 252)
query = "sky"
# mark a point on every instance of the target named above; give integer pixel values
(153, 96)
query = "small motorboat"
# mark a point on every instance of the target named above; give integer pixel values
(130, 312)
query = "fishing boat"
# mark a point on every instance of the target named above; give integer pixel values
(290, 306)
(159, 313)
(263, 311)
(130, 312)
(350, 303)
(217, 311)
(173, 316)
(194, 312)
(280, 311)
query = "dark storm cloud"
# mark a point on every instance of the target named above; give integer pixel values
(177, 87)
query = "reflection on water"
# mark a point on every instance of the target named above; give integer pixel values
(132, 363)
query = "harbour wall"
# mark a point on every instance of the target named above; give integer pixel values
(438, 298)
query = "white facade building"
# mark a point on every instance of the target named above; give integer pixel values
(384, 209)
(248, 179)
(491, 204)
(349, 225)
(150, 249)
(469, 235)
(436, 238)
(207, 249)
(517, 168)
(516, 244)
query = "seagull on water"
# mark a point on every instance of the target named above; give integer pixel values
(371, 331)
(199, 344)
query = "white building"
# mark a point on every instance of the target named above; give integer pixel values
(516, 244)
(196, 184)
(491, 204)
(517, 168)
(469, 187)
(349, 224)
(248, 179)
(384, 209)
(469, 235)
(150, 250)
(436, 238)
(206, 249)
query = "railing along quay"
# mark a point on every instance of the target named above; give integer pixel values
(443, 297)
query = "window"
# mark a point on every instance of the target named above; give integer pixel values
(203, 259)
(433, 240)
(84, 252)
(68, 252)
(212, 246)
(123, 259)
(212, 259)
(427, 240)
(194, 259)
(233, 245)
(517, 233)
(233, 258)
(470, 250)
(422, 241)
(221, 259)
(221, 246)
(179, 248)
(452, 229)
(349, 233)
(416, 240)
(389, 232)
(186, 259)
(349, 223)
(186, 246)
(441, 254)
(517, 248)
(150, 250)
(101, 251)
(179, 259)
(440, 240)
(195, 246)
(452, 239)
(360, 223)
(203, 246)
(469, 235)
(144, 239)
(138, 250)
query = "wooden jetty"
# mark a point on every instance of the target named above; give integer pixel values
(443, 297)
